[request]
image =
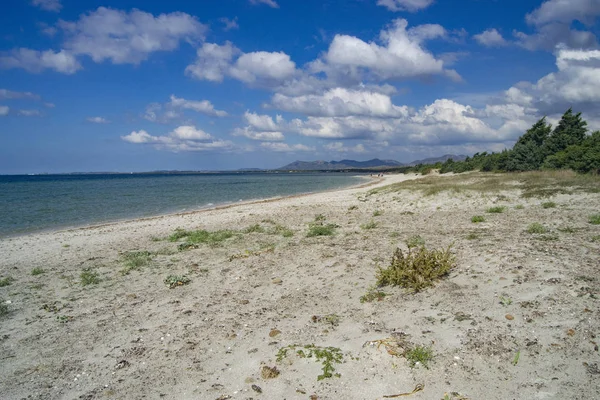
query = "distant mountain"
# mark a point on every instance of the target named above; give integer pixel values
(434, 160)
(370, 164)
(337, 165)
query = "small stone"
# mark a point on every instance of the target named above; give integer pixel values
(509, 317)
(571, 332)
(277, 281)
(274, 332)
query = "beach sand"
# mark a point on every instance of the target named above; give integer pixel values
(516, 319)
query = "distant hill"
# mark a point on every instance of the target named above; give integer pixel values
(337, 165)
(370, 164)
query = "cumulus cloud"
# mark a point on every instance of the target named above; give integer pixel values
(270, 3)
(490, 38)
(250, 133)
(203, 106)
(286, 148)
(37, 61)
(156, 112)
(261, 68)
(261, 127)
(4, 110)
(30, 113)
(47, 5)
(585, 11)
(339, 147)
(340, 102)
(405, 5)
(548, 37)
(97, 120)
(229, 24)
(262, 122)
(182, 138)
(10, 95)
(128, 37)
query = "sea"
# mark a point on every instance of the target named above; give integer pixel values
(32, 203)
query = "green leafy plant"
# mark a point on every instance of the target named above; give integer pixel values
(6, 281)
(377, 213)
(415, 241)
(135, 261)
(549, 204)
(195, 238)
(372, 294)
(477, 218)
(594, 219)
(173, 281)
(282, 230)
(537, 228)
(369, 225)
(319, 228)
(505, 301)
(89, 277)
(416, 270)
(419, 355)
(515, 360)
(37, 271)
(327, 356)
(496, 210)
(256, 228)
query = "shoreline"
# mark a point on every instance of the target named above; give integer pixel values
(372, 181)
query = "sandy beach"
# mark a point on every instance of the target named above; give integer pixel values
(517, 318)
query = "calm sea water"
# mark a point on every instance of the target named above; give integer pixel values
(33, 203)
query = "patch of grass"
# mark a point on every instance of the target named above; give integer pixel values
(369, 225)
(418, 269)
(372, 294)
(415, 241)
(537, 228)
(38, 271)
(395, 234)
(496, 210)
(519, 207)
(256, 228)
(472, 236)
(282, 230)
(419, 355)
(319, 228)
(595, 238)
(567, 229)
(4, 310)
(327, 356)
(594, 219)
(505, 301)
(135, 261)
(377, 213)
(549, 204)
(89, 277)
(6, 281)
(173, 281)
(477, 218)
(319, 218)
(195, 238)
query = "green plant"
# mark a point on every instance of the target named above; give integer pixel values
(537, 228)
(89, 277)
(515, 360)
(594, 219)
(496, 210)
(319, 218)
(477, 218)
(568, 229)
(472, 236)
(63, 319)
(372, 294)
(377, 213)
(327, 356)
(416, 270)
(505, 301)
(256, 228)
(135, 261)
(549, 204)
(282, 230)
(4, 310)
(419, 355)
(173, 281)
(194, 238)
(6, 281)
(319, 228)
(596, 238)
(519, 207)
(415, 241)
(37, 271)
(369, 225)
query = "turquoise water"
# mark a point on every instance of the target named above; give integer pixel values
(40, 202)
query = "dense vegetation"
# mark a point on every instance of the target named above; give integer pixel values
(567, 146)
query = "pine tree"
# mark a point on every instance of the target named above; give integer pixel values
(528, 153)
(571, 130)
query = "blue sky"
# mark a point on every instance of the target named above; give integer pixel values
(151, 85)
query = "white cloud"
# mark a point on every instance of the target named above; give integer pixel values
(286, 148)
(10, 95)
(548, 37)
(37, 61)
(340, 102)
(266, 136)
(565, 11)
(182, 138)
(490, 38)
(261, 127)
(97, 120)
(229, 24)
(203, 106)
(4, 110)
(128, 37)
(30, 113)
(405, 5)
(270, 3)
(48, 5)
(262, 122)
(213, 62)
(400, 56)
(341, 148)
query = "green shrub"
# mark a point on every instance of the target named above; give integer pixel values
(4, 310)
(377, 213)
(549, 204)
(419, 354)
(537, 228)
(283, 231)
(372, 294)
(37, 271)
(135, 261)
(496, 210)
(6, 281)
(173, 281)
(416, 270)
(415, 241)
(319, 228)
(327, 356)
(477, 218)
(194, 238)
(594, 219)
(370, 225)
(89, 277)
